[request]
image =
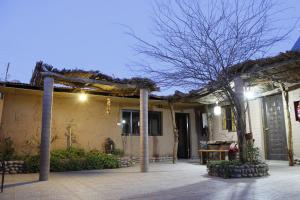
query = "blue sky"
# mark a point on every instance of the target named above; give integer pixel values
(84, 34)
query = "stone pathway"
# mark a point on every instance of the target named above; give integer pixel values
(164, 181)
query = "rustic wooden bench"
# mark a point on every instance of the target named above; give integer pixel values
(206, 151)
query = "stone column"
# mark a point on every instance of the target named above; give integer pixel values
(46, 129)
(144, 152)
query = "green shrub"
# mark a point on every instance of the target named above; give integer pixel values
(73, 159)
(110, 161)
(118, 152)
(98, 160)
(68, 153)
(32, 164)
(252, 153)
(94, 160)
(6, 148)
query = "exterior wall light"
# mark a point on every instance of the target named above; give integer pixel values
(82, 97)
(249, 94)
(217, 109)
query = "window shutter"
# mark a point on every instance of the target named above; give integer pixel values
(224, 121)
(233, 121)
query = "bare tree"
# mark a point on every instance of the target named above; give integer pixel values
(198, 43)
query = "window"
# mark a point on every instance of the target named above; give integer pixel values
(131, 124)
(228, 121)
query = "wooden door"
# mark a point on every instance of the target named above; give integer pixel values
(274, 128)
(182, 123)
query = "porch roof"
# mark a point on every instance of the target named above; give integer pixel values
(263, 74)
(78, 79)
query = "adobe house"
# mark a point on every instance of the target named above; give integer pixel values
(89, 107)
(272, 93)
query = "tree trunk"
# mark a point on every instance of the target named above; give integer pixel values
(175, 132)
(285, 95)
(240, 117)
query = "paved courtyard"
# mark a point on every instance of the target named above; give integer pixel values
(164, 181)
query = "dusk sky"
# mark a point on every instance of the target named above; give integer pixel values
(83, 34)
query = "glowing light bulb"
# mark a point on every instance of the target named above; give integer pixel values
(249, 94)
(82, 97)
(217, 110)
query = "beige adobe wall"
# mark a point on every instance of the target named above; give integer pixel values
(295, 96)
(218, 134)
(90, 124)
(255, 108)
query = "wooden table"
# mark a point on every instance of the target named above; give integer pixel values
(220, 151)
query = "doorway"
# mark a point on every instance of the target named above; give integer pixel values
(182, 123)
(274, 128)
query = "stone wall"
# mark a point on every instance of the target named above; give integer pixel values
(238, 171)
(14, 167)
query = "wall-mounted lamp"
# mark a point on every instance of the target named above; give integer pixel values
(249, 94)
(217, 109)
(82, 97)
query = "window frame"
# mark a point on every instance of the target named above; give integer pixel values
(131, 111)
(229, 123)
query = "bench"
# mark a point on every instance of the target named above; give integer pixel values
(206, 151)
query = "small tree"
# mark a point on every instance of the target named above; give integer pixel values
(198, 43)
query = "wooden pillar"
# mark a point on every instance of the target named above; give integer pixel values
(46, 129)
(285, 94)
(144, 153)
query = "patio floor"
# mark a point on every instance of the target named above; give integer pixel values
(164, 181)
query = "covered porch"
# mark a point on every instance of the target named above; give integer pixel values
(85, 82)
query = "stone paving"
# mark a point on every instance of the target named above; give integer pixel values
(164, 181)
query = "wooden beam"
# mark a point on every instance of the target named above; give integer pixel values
(60, 77)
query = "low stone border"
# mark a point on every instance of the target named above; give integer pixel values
(297, 161)
(130, 161)
(14, 167)
(232, 171)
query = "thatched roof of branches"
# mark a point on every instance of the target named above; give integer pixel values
(79, 79)
(284, 67)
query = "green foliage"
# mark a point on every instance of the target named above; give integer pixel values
(73, 159)
(252, 153)
(32, 164)
(6, 149)
(98, 160)
(118, 152)
(68, 153)
(224, 162)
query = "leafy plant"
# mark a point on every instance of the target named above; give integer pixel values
(6, 148)
(73, 159)
(252, 153)
(118, 152)
(31, 164)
